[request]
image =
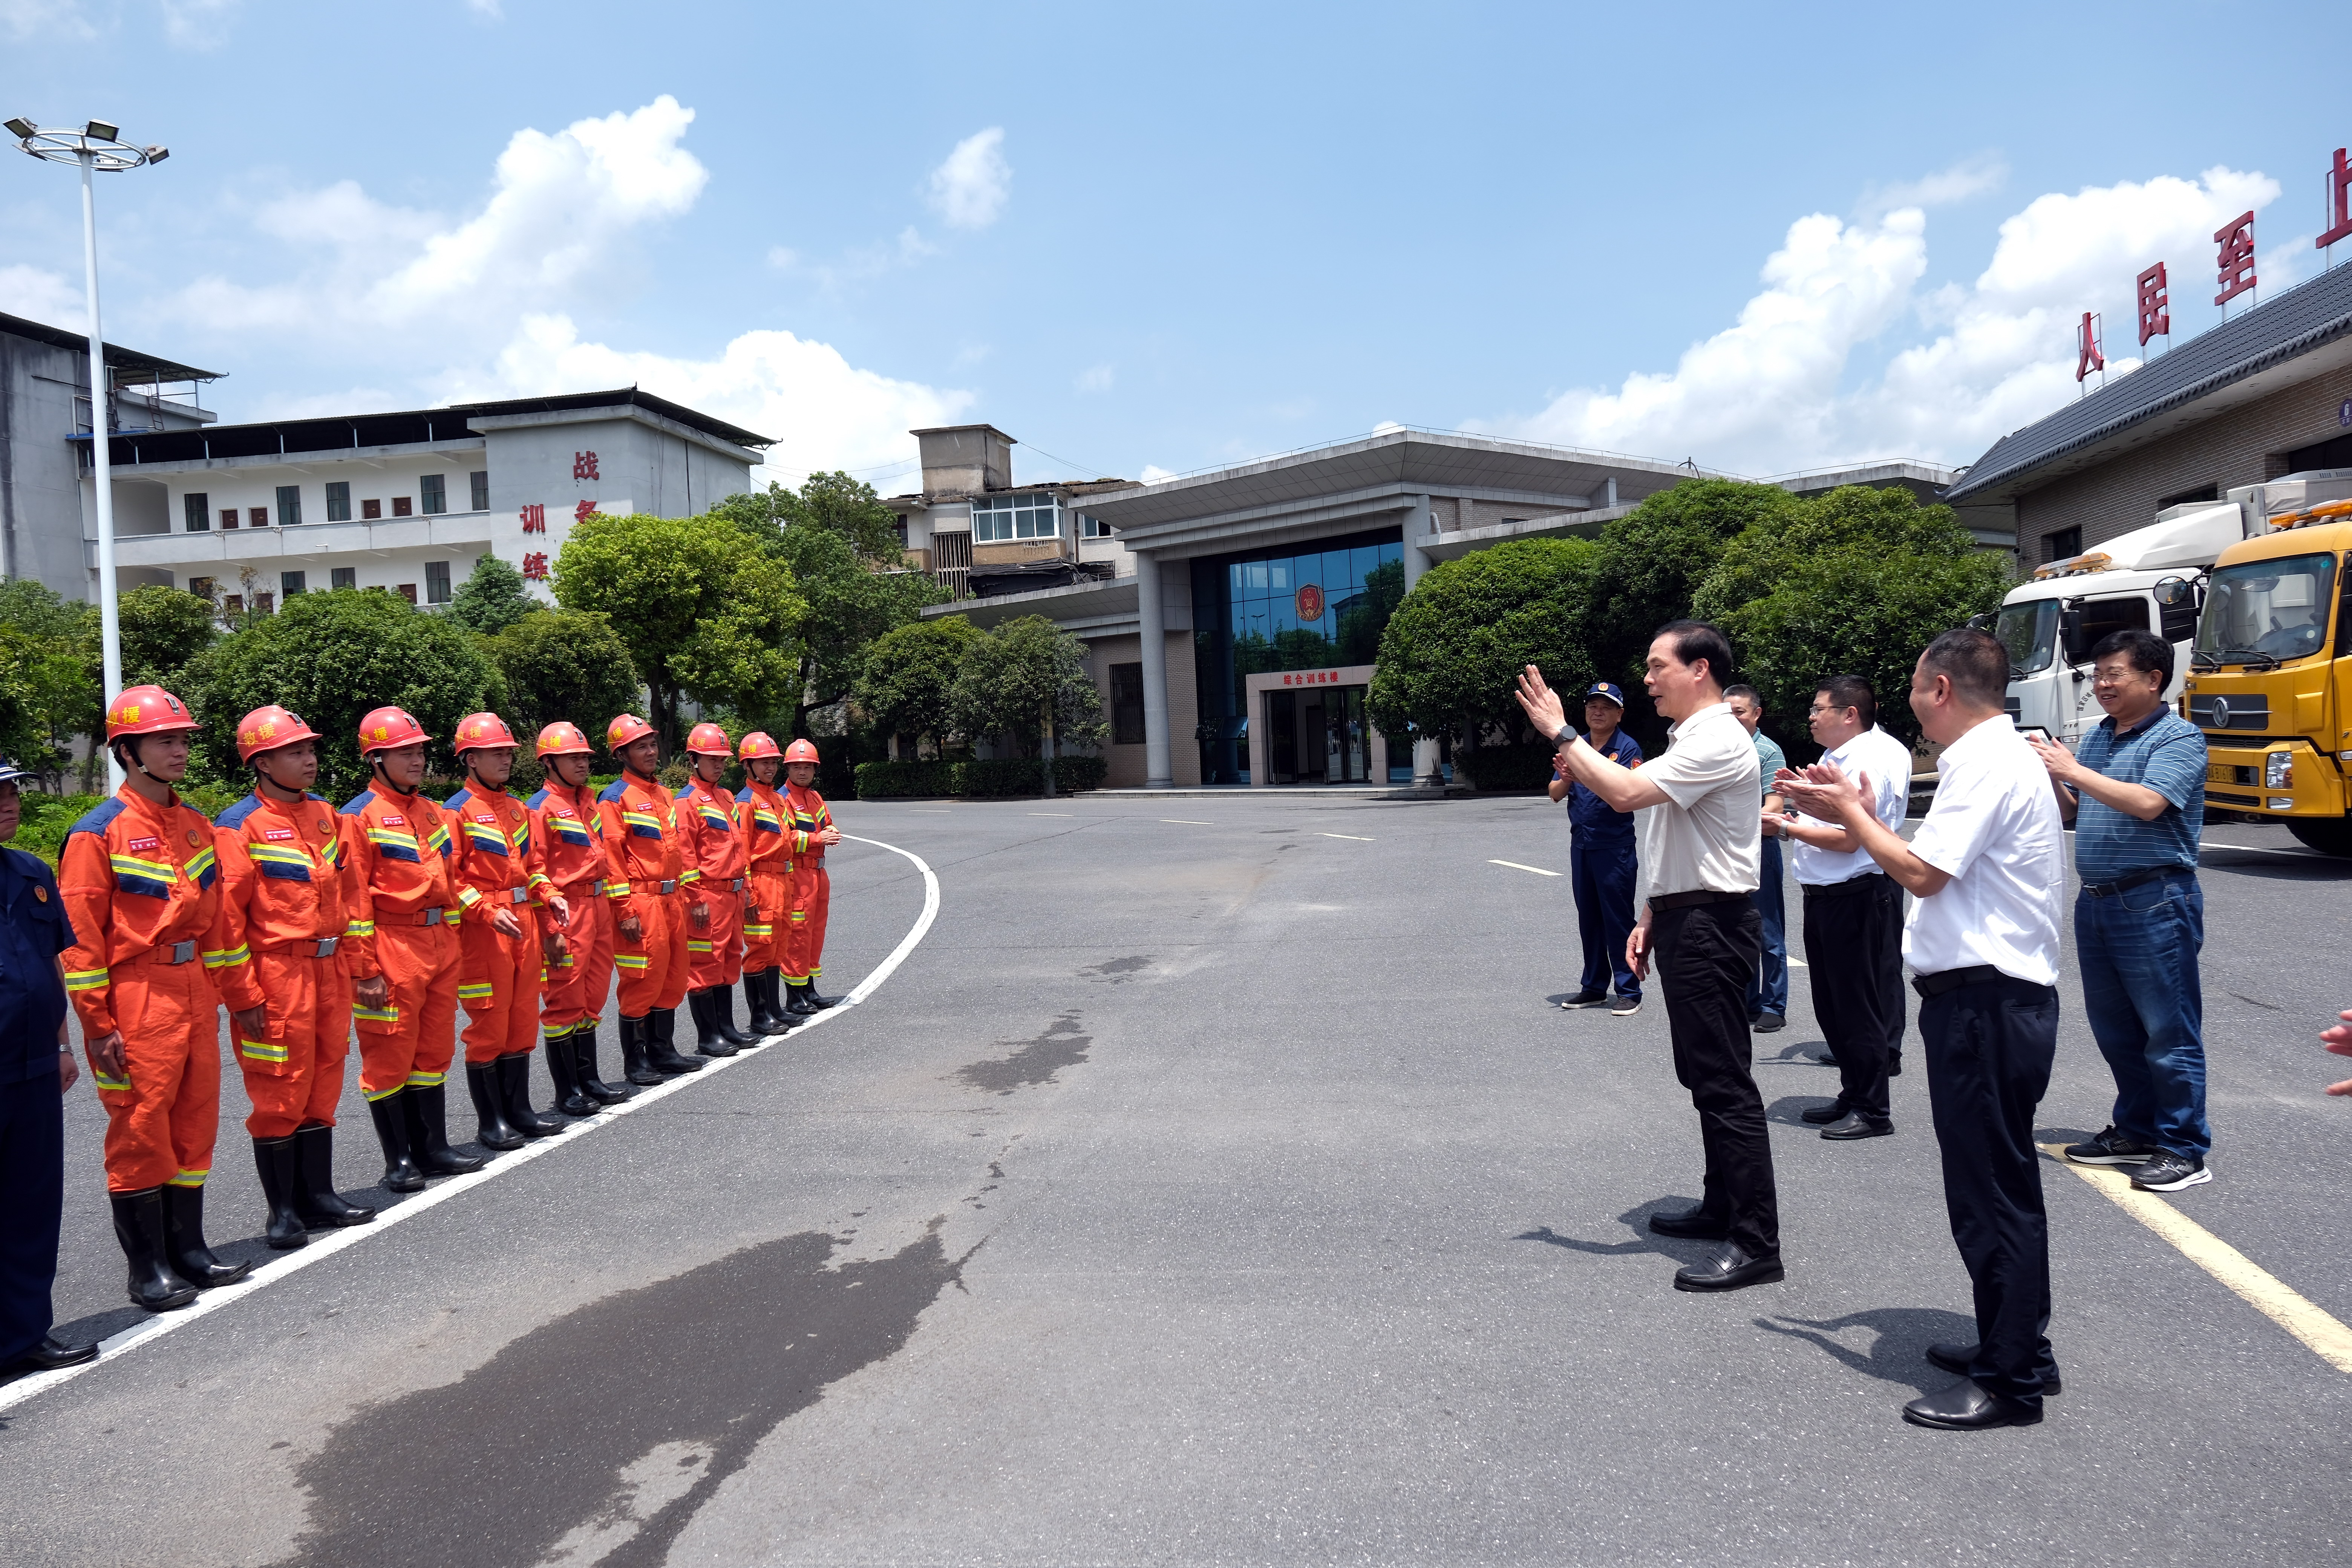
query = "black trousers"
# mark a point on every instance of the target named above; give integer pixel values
(1706, 956)
(1853, 946)
(1989, 1047)
(32, 1199)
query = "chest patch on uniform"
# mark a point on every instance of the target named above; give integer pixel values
(277, 835)
(139, 844)
(563, 811)
(194, 839)
(489, 817)
(42, 894)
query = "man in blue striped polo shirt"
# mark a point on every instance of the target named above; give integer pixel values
(2134, 790)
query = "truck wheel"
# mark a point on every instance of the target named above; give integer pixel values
(2328, 838)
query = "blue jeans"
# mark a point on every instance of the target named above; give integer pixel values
(1768, 992)
(1602, 875)
(2138, 952)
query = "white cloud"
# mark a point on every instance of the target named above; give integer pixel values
(1970, 177)
(970, 190)
(197, 24)
(1773, 393)
(33, 18)
(1153, 474)
(1096, 378)
(489, 10)
(39, 296)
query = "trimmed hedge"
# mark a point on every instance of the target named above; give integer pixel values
(1524, 767)
(979, 778)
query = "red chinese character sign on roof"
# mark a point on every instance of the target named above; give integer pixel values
(2234, 260)
(534, 566)
(586, 509)
(534, 518)
(2087, 357)
(2155, 305)
(584, 465)
(2339, 204)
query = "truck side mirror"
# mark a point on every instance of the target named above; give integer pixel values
(2069, 635)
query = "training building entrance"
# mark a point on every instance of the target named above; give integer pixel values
(1307, 726)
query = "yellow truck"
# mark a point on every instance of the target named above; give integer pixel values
(2270, 681)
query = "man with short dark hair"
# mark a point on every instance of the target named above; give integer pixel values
(1601, 861)
(1768, 989)
(1696, 818)
(1986, 869)
(2134, 790)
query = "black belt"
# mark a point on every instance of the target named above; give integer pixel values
(2134, 880)
(1684, 900)
(1931, 985)
(1868, 882)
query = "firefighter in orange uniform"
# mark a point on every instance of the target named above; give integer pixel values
(140, 883)
(810, 828)
(768, 855)
(283, 870)
(572, 837)
(407, 914)
(642, 844)
(714, 855)
(502, 881)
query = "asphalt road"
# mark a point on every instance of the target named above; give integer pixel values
(1227, 1190)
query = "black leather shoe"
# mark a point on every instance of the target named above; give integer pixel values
(1768, 1023)
(1959, 1358)
(1858, 1125)
(1894, 1064)
(1692, 1224)
(1965, 1407)
(1822, 1115)
(1731, 1268)
(50, 1355)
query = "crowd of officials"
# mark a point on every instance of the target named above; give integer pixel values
(1679, 857)
(389, 917)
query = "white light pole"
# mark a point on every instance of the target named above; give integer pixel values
(99, 148)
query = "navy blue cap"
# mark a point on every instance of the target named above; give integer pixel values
(1604, 689)
(10, 772)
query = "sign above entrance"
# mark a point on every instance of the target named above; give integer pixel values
(1310, 602)
(1312, 678)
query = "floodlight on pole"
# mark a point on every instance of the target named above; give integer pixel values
(98, 149)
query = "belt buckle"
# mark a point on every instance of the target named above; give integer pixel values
(598, 890)
(184, 953)
(737, 885)
(431, 917)
(518, 895)
(668, 885)
(327, 947)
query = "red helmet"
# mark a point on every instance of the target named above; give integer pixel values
(389, 728)
(561, 739)
(147, 711)
(625, 730)
(758, 744)
(801, 752)
(266, 730)
(481, 731)
(708, 741)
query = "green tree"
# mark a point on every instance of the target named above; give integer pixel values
(34, 608)
(702, 614)
(331, 657)
(49, 669)
(163, 630)
(491, 598)
(1025, 679)
(1453, 647)
(1855, 581)
(834, 504)
(564, 664)
(907, 684)
(24, 736)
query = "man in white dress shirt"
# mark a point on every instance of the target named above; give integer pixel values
(1699, 843)
(1987, 869)
(1853, 911)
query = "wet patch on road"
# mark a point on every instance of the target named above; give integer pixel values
(1117, 971)
(596, 1438)
(1063, 1044)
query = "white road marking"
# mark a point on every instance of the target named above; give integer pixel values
(1515, 865)
(1187, 822)
(1357, 837)
(323, 1246)
(2259, 849)
(1798, 964)
(1053, 814)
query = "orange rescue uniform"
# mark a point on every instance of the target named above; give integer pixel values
(768, 853)
(141, 887)
(715, 868)
(497, 866)
(407, 906)
(570, 832)
(285, 867)
(642, 844)
(812, 889)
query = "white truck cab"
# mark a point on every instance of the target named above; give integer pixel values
(2148, 580)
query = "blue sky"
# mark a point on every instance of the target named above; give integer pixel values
(1148, 241)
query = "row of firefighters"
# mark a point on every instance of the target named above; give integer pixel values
(392, 915)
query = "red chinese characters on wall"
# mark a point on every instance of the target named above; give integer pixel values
(2234, 260)
(2087, 357)
(584, 509)
(534, 518)
(1313, 678)
(2155, 305)
(583, 466)
(534, 566)
(2339, 204)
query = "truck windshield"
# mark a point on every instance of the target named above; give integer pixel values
(2030, 632)
(2277, 608)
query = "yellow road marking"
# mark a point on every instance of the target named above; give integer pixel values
(1515, 865)
(1357, 837)
(2263, 1290)
(1187, 822)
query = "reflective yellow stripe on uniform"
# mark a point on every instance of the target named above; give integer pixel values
(192, 1178)
(469, 897)
(629, 960)
(359, 928)
(479, 992)
(425, 1079)
(227, 957)
(758, 930)
(119, 1085)
(377, 1015)
(261, 1050)
(694, 946)
(85, 979)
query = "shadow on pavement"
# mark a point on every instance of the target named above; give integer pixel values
(1899, 1353)
(1783, 1111)
(1643, 1239)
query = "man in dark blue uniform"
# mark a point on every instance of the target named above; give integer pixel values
(1601, 861)
(36, 1070)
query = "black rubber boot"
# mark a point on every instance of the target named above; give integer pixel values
(514, 1085)
(584, 1066)
(804, 1000)
(661, 1043)
(395, 1117)
(184, 1242)
(569, 1098)
(492, 1130)
(708, 1040)
(768, 1016)
(279, 1163)
(723, 1015)
(633, 1055)
(139, 1226)
(428, 1134)
(316, 1200)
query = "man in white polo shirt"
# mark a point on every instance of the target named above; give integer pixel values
(1699, 846)
(1853, 911)
(1987, 869)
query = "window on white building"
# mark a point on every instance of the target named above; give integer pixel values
(402, 506)
(259, 516)
(291, 582)
(371, 510)
(197, 508)
(437, 582)
(338, 501)
(202, 587)
(478, 484)
(347, 576)
(1092, 527)
(435, 491)
(289, 506)
(229, 517)
(999, 518)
